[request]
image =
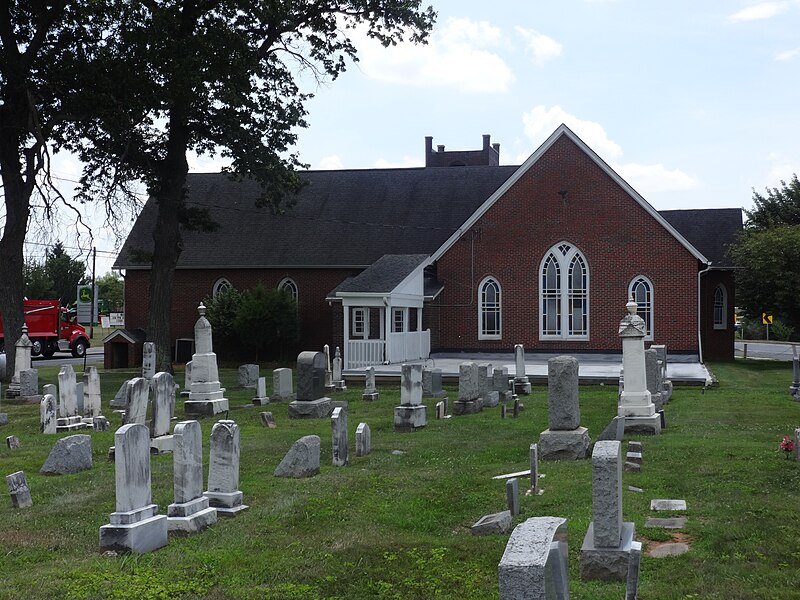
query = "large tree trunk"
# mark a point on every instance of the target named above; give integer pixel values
(167, 237)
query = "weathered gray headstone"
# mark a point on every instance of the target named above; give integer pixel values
(67, 395)
(522, 384)
(562, 393)
(248, 376)
(489, 396)
(282, 390)
(121, 397)
(135, 526)
(261, 397)
(47, 414)
(29, 382)
(328, 382)
(370, 391)
(512, 496)
(432, 383)
(163, 403)
(136, 406)
(653, 377)
(632, 583)
(148, 360)
(411, 414)
(441, 411)
(12, 442)
(339, 437)
(70, 454)
(662, 504)
(501, 383)
(18, 488)
(496, 523)
(22, 361)
(635, 403)
(268, 420)
(100, 423)
(338, 380)
(469, 390)
(187, 379)
(79, 396)
(223, 469)
(190, 512)
(206, 396)
(92, 403)
(535, 562)
(534, 460)
(363, 440)
(302, 460)
(50, 388)
(311, 401)
(615, 430)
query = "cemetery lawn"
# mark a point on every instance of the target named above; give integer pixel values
(397, 526)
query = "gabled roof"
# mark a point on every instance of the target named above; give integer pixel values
(563, 130)
(710, 230)
(340, 218)
(384, 275)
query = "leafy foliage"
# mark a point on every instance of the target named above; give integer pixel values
(780, 207)
(37, 284)
(57, 278)
(266, 322)
(112, 292)
(221, 313)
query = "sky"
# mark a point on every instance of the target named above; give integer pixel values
(694, 103)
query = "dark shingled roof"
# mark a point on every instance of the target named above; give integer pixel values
(383, 275)
(341, 218)
(710, 230)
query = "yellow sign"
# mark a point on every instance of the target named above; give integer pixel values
(766, 318)
(86, 294)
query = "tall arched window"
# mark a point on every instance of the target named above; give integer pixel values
(221, 286)
(641, 290)
(289, 286)
(564, 294)
(489, 314)
(720, 307)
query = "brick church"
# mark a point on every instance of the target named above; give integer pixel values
(460, 255)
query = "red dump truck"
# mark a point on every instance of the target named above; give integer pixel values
(51, 329)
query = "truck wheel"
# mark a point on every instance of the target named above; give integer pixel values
(36, 348)
(79, 349)
(49, 351)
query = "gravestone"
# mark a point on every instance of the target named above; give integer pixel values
(223, 470)
(606, 548)
(68, 418)
(522, 384)
(261, 397)
(565, 439)
(29, 384)
(268, 420)
(163, 410)
(100, 423)
(52, 389)
(432, 383)
(187, 379)
(282, 386)
(311, 402)
(666, 384)
(12, 442)
(19, 491)
(22, 362)
(794, 389)
(632, 580)
(79, 397)
(47, 414)
(469, 390)
(503, 411)
(206, 396)
(339, 437)
(121, 397)
(501, 383)
(797, 443)
(92, 404)
(70, 454)
(615, 430)
(338, 381)
(635, 403)
(512, 496)
(248, 376)
(535, 562)
(363, 440)
(370, 391)
(653, 377)
(517, 407)
(326, 350)
(302, 459)
(148, 360)
(190, 512)
(534, 460)
(411, 414)
(138, 395)
(489, 396)
(441, 409)
(135, 526)
(495, 523)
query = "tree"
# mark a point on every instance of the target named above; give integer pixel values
(65, 272)
(38, 285)
(767, 255)
(111, 290)
(216, 75)
(221, 313)
(44, 48)
(266, 322)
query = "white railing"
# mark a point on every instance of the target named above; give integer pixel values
(410, 345)
(363, 353)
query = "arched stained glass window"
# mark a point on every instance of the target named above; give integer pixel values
(564, 294)
(489, 310)
(641, 290)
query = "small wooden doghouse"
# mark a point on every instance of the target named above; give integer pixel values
(123, 348)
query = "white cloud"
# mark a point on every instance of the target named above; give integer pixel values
(542, 47)
(404, 163)
(541, 121)
(760, 11)
(780, 168)
(330, 163)
(788, 55)
(461, 55)
(205, 163)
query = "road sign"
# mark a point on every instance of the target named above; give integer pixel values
(766, 318)
(87, 304)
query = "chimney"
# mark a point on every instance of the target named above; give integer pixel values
(440, 148)
(486, 141)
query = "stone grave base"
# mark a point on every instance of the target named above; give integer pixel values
(607, 564)
(17, 399)
(506, 396)
(310, 409)
(369, 396)
(437, 394)
(227, 504)
(163, 444)
(522, 386)
(340, 386)
(491, 399)
(200, 408)
(261, 401)
(496, 523)
(658, 400)
(190, 517)
(128, 534)
(410, 418)
(467, 407)
(643, 425)
(564, 445)
(287, 398)
(70, 424)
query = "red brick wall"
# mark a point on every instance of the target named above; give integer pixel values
(718, 344)
(616, 236)
(191, 286)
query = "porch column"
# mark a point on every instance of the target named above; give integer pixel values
(387, 312)
(346, 335)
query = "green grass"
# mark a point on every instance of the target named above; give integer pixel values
(397, 526)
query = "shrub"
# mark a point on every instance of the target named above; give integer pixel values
(221, 313)
(266, 322)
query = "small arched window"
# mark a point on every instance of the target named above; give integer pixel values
(720, 307)
(289, 286)
(489, 310)
(221, 286)
(641, 290)
(564, 294)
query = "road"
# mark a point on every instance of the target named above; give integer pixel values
(94, 356)
(765, 350)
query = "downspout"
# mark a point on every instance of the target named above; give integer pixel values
(699, 296)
